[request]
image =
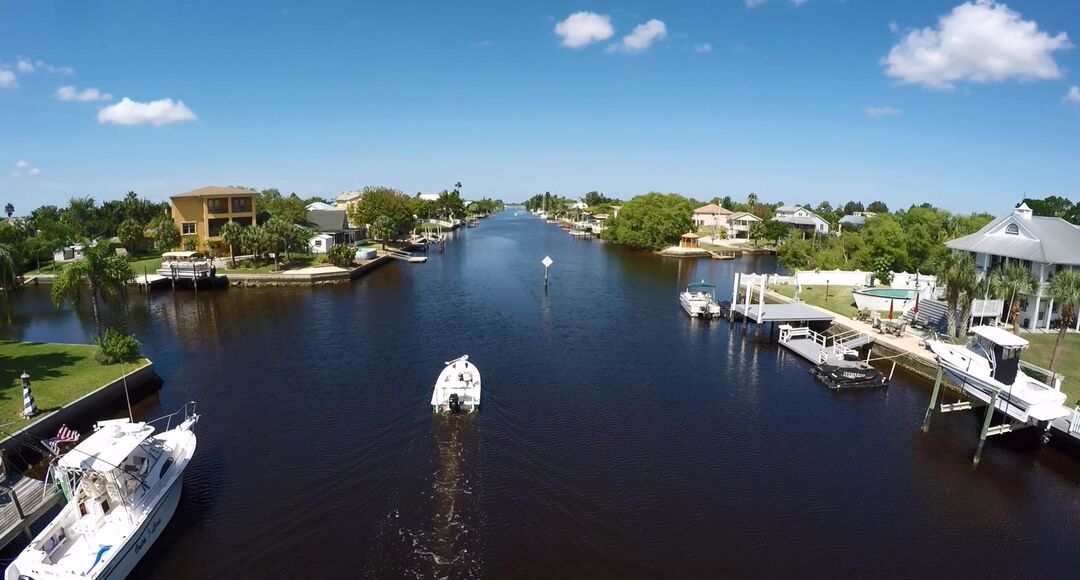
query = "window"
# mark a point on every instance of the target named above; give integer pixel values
(165, 467)
(1012, 230)
(243, 221)
(241, 204)
(217, 205)
(187, 228)
(214, 226)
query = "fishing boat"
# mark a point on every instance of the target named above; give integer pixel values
(188, 265)
(458, 387)
(988, 368)
(122, 484)
(698, 300)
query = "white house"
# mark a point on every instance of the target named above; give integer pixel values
(68, 254)
(1045, 245)
(319, 206)
(802, 219)
(740, 224)
(712, 216)
(342, 201)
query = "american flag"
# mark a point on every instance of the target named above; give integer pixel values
(64, 435)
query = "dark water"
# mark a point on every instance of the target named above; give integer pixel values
(618, 438)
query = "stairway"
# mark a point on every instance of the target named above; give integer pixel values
(932, 313)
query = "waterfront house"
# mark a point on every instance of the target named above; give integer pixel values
(802, 219)
(712, 216)
(740, 224)
(1045, 245)
(855, 220)
(342, 201)
(335, 223)
(202, 212)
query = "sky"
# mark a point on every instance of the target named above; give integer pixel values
(969, 105)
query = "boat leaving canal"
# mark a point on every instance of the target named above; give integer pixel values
(618, 437)
(458, 387)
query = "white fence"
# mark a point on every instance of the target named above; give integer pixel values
(913, 281)
(833, 277)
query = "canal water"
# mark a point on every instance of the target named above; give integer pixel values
(618, 438)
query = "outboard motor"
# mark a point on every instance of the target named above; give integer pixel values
(455, 403)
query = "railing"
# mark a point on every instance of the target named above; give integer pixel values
(188, 410)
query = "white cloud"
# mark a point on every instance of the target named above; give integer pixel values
(70, 93)
(24, 66)
(1073, 96)
(21, 164)
(160, 112)
(980, 41)
(703, 48)
(886, 111)
(8, 79)
(22, 167)
(584, 28)
(33, 171)
(641, 38)
(894, 27)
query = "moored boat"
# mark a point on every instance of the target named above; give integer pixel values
(458, 387)
(698, 300)
(122, 485)
(187, 265)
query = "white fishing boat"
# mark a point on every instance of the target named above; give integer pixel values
(698, 300)
(457, 388)
(189, 265)
(989, 365)
(122, 485)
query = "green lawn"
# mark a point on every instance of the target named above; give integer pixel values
(298, 261)
(839, 299)
(1068, 364)
(150, 263)
(59, 374)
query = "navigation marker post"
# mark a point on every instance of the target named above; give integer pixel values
(547, 262)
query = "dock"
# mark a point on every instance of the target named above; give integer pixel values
(406, 256)
(23, 501)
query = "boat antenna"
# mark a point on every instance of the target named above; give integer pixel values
(127, 395)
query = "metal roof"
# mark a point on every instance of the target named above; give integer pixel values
(1053, 240)
(855, 220)
(330, 220)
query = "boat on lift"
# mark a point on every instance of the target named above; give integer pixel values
(122, 485)
(699, 301)
(989, 365)
(457, 390)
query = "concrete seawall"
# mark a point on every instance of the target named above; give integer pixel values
(84, 411)
(307, 279)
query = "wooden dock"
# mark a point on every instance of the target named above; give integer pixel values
(23, 501)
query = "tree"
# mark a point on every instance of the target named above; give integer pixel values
(877, 207)
(9, 209)
(81, 215)
(957, 272)
(1013, 284)
(774, 230)
(271, 204)
(752, 199)
(102, 270)
(651, 221)
(341, 256)
(8, 276)
(450, 205)
(131, 234)
(255, 240)
(596, 198)
(853, 206)
(232, 235)
(277, 231)
(166, 235)
(1064, 289)
(385, 211)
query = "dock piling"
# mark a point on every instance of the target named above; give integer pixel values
(933, 401)
(985, 428)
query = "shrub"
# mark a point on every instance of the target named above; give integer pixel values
(341, 256)
(114, 346)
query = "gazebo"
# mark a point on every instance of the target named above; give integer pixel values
(689, 240)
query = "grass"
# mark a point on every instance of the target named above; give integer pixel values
(297, 261)
(59, 374)
(1068, 364)
(838, 301)
(151, 263)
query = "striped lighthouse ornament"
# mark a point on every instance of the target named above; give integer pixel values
(29, 406)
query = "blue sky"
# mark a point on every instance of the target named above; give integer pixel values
(791, 100)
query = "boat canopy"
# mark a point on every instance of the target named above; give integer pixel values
(107, 447)
(703, 284)
(999, 337)
(181, 255)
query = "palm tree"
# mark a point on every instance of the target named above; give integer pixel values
(1013, 283)
(1065, 290)
(8, 275)
(102, 270)
(957, 272)
(278, 232)
(232, 234)
(751, 200)
(9, 209)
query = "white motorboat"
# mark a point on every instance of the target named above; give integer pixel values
(990, 364)
(698, 300)
(189, 265)
(122, 485)
(458, 387)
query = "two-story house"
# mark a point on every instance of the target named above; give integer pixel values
(712, 216)
(203, 211)
(1045, 245)
(802, 219)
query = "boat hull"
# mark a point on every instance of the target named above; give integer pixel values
(699, 308)
(461, 378)
(147, 534)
